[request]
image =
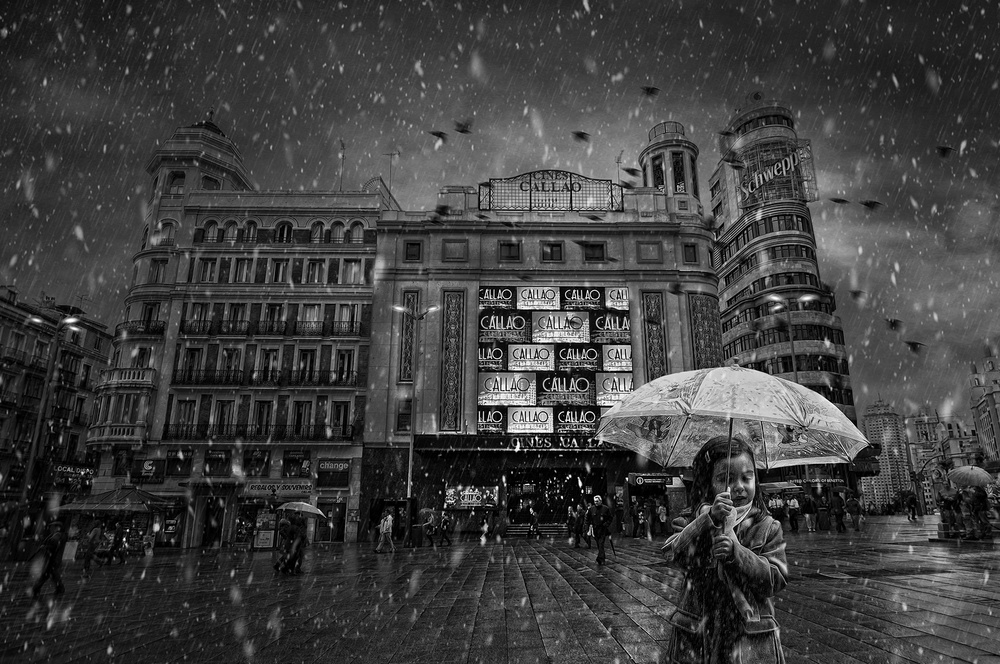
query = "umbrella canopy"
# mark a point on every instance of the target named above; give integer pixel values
(124, 499)
(970, 476)
(668, 419)
(303, 508)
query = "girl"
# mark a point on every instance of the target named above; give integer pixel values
(733, 556)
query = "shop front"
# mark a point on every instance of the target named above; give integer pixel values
(256, 522)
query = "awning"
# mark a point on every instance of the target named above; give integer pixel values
(124, 499)
(778, 487)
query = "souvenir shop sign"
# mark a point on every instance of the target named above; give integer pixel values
(470, 497)
(265, 488)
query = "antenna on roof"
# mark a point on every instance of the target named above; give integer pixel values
(619, 162)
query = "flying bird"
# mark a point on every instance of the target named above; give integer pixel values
(581, 136)
(858, 294)
(593, 217)
(894, 323)
(914, 346)
(442, 210)
(839, 201)
(944, 151)
(634, 172)
(627, 185)
(463, 126)
(734, 162)
(649, 90)
(440, 135)
(872, 205)
(726, 132)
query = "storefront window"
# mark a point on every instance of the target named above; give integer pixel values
(218, 463)
(256, 463)
(296, 463)
(179, 463)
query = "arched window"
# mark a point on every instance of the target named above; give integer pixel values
(316, 232)
(357, 232)
(166, 232)
(211, 232)
(250, 232)
(283, 233)
(210, 184)
(230, 231)
(175, 185)
(337, 232)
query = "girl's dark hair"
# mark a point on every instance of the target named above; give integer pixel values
(716, 449)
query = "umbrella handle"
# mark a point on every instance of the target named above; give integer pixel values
(729, 454)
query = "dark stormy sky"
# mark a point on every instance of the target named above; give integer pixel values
(89, 88)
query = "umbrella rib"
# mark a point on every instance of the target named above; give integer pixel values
(677, 439)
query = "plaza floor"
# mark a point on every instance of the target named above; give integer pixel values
(885, 595)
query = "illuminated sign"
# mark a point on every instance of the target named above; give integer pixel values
(611, 328)
(530, 420)
(612, 387)
(617, 298)
(492, 358)
(512, 443)
(576, 357)
(617, 358)
(510, 326)
(583, 299)
(560, 326)
(550, 190)
(544, 298)
(532, 357)
(469, 497)
(496, 297)
(577, 419)
(492, 420)
(516, 389)
(777, 170)
(562, 388)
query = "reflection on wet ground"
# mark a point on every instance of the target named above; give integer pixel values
(886, 594)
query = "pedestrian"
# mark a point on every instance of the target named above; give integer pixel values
(853, 507)
(283, 548)
(300, 540)
(385, 532)
(837, 508)
(51, 552)
(776, 506)
(793, 513)
(445, 527)
(532, 524)
(581, 526)
(975, 510)
(429, 528)
(871, 509)
(662, 516)
(640, 522)
(633, 517)
(599, 518)
(823, 513)
(809, 512)
(732, 554)
(118, 544)
(89, 544)
(911, 507)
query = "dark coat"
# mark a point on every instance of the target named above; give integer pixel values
(600, 517)
(726, 607)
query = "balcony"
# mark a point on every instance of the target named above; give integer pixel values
(124, 433)
(312, 328)
(251, 432)
(344, 329)
(237, 327)
(125, 377)
(141, 327)
(13, 355)
(196, 326)
(207, 377)
(274, 327)
(303, 378)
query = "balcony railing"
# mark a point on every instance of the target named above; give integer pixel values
(234, 327)
(275, 328)
(344, 329)
(196, 326)
(208, 377)
(309, 327)
(270, 327)
(11, 354)
(109, 433)
(279, 432)
(142, 377)
(149, 327)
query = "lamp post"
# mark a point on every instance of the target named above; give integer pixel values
(414, 411)
(29, 488)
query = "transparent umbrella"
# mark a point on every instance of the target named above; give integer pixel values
(668, 419)
(970, 476)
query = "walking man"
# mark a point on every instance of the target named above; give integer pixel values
(90, 543)
(52, 553)
(809, 512)
(385, 533)
(837, 507)
(118, 546)
(793, 513)
(599, 519)
(445, 527)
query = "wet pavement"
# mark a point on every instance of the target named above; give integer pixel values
(886, 594)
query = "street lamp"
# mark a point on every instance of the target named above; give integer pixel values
(29, 488)
(414, 411)
(785, 302)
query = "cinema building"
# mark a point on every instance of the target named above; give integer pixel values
(778, 316)
(509, 320)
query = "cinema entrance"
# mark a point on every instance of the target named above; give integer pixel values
(551, 491)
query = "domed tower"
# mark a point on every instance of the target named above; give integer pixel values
(670, 163)
(195, 158)
(777, 314)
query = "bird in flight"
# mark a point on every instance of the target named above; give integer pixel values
(440, 135)
(649, 90)
(872, 205)
(858, 294)
(581, 136)
(894, 323)
(839, 201)
(944, 151)
(914, 346)
(463, 126)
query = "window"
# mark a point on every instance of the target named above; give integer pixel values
(649, 252)
(302, 418)
(274, 313)
(150, 311)
(269, 364)
(262, 416)
(141, 357)
(311, 312)
(210, 184)
(230, 233)
(186, 412)
(677, 162)
(658, 178)
(348, 313)
(412, 251)
(352, 272)
(250, 232)
(207, 273)
(690, 253)
(175, 184)
(307, 362)
(510, 251)
(279, 271)
(179, 463)
(593, 252)
(455, 250)
(211, 232)
(283, 233)
(404, 416)
(157, 271)
(256, 463)
(230, 359)
(345, 365)
(199, 310)
(314, 272)
(716, 188)
(337, 232)
(191, 361)
(552, 252)
(316, 233)
(241, 271)
(339, 418)
(296, 463)
(225, 412)
(121, 460)
(218, 463)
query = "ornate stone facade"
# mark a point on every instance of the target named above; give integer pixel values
(706, 332)
(452, 365)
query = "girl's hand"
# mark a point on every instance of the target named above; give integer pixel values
(722, 547)
(721, 508)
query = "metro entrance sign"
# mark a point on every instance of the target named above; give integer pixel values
(550, 190)
(651, 479)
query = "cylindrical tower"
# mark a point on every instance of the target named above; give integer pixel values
(777, 314)
(670, 163)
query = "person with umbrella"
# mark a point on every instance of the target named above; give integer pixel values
(733, 556)
(51, 552)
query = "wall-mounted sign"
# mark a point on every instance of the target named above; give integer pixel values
(612, 387)
(550, 190)
(531, 357)
(545, 298)
(530, 420)
(611, 328)
(653, 479)
(470, 497)
(560, 326)
(492, 420)
(617, 358)
(513, 443)
(505, 325)
(265, 488)
(504, 388)
(148, 471)
(582, 299)
(779, 169)
(333, 473)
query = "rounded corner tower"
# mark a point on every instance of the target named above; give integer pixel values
(777, 313)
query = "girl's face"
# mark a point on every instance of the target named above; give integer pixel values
(742, 479)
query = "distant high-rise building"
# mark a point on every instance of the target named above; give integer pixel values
(883, 426)
(984, 400)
